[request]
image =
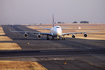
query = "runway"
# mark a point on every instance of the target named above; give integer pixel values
(79, 53)
(43, 53)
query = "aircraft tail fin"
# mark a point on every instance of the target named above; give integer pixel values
(53, 21)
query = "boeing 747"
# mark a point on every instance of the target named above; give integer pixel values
(55, 31)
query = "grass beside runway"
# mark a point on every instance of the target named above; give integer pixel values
(1, 31)
(5, 38)
(21, 65)
(9, 46)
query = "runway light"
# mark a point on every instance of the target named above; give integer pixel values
(64, 63)
(28, 43)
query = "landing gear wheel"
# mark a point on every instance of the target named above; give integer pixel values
(63, 38)
(58, 38)
(48, 38)
(52, 38)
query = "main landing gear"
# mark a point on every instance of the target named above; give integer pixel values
(52, 38)
(58, 38)
(48, 37)
(63, 38)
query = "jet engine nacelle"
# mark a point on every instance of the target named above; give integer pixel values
(25, 35)
(73, 36)
(85, 35)
(39, 36)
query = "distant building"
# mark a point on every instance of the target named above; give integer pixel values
(59, 22)
(40, 23)
(75, 22)
(63, 22)
(84, 22)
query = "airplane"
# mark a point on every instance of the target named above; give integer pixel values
(55, 31)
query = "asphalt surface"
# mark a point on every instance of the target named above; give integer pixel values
(79, 54)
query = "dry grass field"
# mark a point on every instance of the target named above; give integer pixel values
(5, 38)
(20, 65)
(1, 31)
(9, 46)
(74, 28)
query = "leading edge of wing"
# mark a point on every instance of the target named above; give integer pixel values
(33, 32)
(38, 33)
(45, 28)
(78, 32)
(42, 33)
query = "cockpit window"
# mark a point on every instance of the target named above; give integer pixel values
(57, 27)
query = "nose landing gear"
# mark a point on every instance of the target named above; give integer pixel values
(58, 37)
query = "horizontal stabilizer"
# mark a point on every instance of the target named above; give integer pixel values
(64, 27)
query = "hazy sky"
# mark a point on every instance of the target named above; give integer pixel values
(40, 11)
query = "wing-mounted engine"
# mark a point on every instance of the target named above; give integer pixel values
(39, 36)
(85, 35)
(25, 34)
(73, 36)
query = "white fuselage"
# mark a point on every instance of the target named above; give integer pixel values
(56, 31)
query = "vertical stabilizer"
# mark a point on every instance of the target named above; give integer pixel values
(53, 21)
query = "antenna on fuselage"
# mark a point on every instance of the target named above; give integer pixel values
(53, 20)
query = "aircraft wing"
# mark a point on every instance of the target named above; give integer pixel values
(78, 32)
(28, 32)
(41, 33)
(45, 28)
